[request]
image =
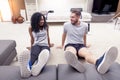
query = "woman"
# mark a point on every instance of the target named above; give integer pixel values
(40, 47)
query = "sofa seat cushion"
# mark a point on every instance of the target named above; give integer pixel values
(64, 17)
(9, 73)
(48, 73)
(13, 73)
(66, 72)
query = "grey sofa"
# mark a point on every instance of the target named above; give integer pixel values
(62, 72)
(7, 51)
(50, 72)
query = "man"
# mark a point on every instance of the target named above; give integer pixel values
(75, 35)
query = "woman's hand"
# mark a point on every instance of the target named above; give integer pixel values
(59, 47)
(29, 48)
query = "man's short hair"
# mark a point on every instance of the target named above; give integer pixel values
(76, 11)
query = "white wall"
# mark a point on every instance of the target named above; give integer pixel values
(61, 6)
(5, 10)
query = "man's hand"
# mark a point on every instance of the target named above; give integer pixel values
(88, 45)
(51, 45)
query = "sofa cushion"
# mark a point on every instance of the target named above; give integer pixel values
(10, 58)
(66, 72)
(9, 73)
(48, 73)
(113, 73)
(6, 48)
(63, 17)
(91, 72)
(13, 73)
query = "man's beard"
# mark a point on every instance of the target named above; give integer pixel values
(75, 22)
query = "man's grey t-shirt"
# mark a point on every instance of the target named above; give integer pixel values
(75, 34)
